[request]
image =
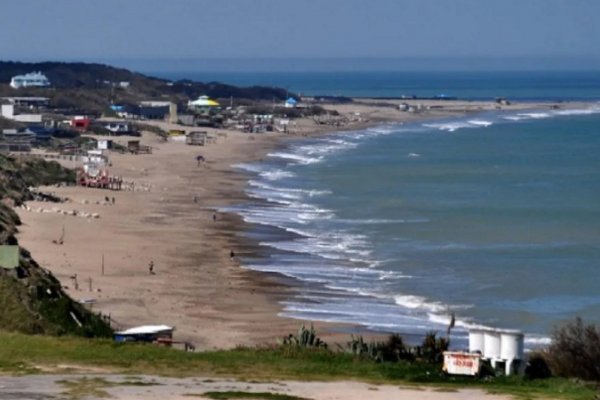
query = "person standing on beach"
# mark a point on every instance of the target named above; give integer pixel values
(151, 268)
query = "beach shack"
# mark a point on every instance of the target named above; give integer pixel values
(203, 103)
(291, 103)
(80, 123)
(145, 333)
(134, 147)
(196, 138)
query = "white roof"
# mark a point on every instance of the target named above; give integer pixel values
(145, 330)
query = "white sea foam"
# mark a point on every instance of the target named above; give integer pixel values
(294, 191)
(480, 122)
(449, 126)
(418, 302)
(384, 221)
(535, 115)
(297, 158)
(276, 174)
(582, 111)
(414, 155)
(382, 129)
(248, 167)
(527, 116)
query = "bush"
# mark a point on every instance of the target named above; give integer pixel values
(575, 351)
(432, 349)
(305, 338)
(537, 367)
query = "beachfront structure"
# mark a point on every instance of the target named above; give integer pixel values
(8, 111)
(27, 101)
(196, 138)
(32, 79)
(118, 128)
(203, 102)
(15, 140)
(80, 122)
(145, 333)
(291, 103)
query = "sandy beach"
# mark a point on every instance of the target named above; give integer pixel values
(169, 220)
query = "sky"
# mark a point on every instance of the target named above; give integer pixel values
(197, 31)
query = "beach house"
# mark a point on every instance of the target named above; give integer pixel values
(32, 79)
(291, 103)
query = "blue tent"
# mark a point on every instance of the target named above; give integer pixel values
(291, 101)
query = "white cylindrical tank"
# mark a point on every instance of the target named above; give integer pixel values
(476, 343)
(491, 344)
(511, 345)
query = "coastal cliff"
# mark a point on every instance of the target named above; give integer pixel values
(31, 299)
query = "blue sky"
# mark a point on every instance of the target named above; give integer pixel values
(134, 30)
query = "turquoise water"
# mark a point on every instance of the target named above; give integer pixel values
(493, 217)
(531, 85)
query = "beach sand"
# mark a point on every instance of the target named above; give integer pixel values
(168, 220)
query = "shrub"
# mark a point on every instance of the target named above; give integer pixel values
(305, 338)
(392, 350)
(432, 349)
(537, 367)
(575, 351)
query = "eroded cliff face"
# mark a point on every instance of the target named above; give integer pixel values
(31, 299)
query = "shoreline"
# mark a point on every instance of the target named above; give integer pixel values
(211, 300)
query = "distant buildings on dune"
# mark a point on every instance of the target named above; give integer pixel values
(32, 79)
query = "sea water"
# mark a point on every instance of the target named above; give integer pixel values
(478, 85)
(492, 217)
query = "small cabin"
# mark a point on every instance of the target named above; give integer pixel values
(145, 333)
(196, 138)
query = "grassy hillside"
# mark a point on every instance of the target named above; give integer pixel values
(31, 299)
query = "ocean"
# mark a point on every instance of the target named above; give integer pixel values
(492, 217)
(522, 86)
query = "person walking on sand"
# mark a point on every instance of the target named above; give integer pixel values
(151, 268)
(231, 255)
(215, 217)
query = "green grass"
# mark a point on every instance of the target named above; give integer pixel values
(23, 353)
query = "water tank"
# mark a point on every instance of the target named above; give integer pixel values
(491, 344)
(476, 343)
(511, 345)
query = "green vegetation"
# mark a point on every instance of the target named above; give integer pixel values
(304, 338)
(19, 353)
(250, 396)
(87, 88)
(31, 299)
(575, 351)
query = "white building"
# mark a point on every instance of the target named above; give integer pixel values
(28, 80)
(8, 112)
